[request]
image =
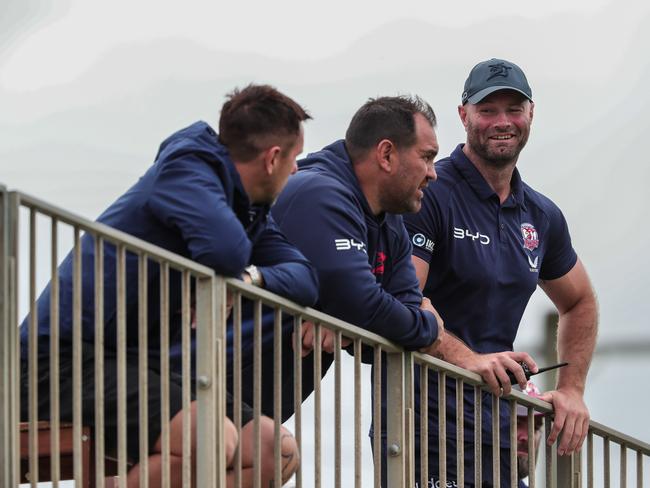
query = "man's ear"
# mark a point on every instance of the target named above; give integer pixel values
(270, 158)
(532, 110)
(462, 113)
(383, 153)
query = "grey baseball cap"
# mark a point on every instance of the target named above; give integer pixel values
(493, 75)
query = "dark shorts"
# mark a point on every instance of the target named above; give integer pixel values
(110, 398)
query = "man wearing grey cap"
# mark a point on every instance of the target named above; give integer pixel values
(482, 243)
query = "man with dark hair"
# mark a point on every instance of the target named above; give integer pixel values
(206, 197)
(348, 196)
(483, 241)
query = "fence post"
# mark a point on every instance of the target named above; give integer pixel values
(9, 352)
(568, 471)
(395, 421)
(211, 379)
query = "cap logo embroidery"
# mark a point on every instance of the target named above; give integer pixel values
(498, 69)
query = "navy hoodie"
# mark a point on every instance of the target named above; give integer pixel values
(191, 202)
(363, 263)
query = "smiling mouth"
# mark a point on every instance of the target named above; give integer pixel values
(504, 137)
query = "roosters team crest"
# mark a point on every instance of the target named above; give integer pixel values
(529, 233)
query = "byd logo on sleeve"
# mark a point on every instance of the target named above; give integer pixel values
(420, 240)
(466, 234)
(347, 244)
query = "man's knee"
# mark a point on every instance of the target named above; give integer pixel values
(290, 456)
(232, 440)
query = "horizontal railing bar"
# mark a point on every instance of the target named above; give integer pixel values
(312, 315)
(476, 380)
(619, 438)
(130, 243)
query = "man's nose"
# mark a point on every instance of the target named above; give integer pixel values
(431, 172)
(502, 119)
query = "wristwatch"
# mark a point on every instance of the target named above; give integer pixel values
(254, 273)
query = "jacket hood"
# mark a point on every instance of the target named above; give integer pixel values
(334, 162)
(199, 139)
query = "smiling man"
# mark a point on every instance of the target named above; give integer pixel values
(483, 241)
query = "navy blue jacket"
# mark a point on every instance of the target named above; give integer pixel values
(363, 263)
(191, 202)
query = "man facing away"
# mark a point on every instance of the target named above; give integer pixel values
(483, 241)
(206, 197)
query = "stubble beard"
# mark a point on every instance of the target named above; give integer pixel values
(497, 159)
(399, 200)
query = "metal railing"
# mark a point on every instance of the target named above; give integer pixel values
(395, 372)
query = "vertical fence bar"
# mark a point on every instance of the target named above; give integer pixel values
(221, 301)
(532, 454)
(357, 413)
(9, 355)
(33, 354)
(395, 422)
(478, 421)
(590, 459)
(164, 374)
(76, 360)
(424, 425)
(460, 432)
(277, 395)
(236, 368)
(623, 466)
(257, 394)
(207, 458)
(186, 364)
(606, 460)
(514, 472)
(317, 405)
(99, 362)
(565, 471)
(409, 423)
(551, 455)
(442, 428)
(121, 365)
(496, 442)
(639, 469)
(143, 368)
(337, 410)
(377, 417)
(297, 389)
(55, 456)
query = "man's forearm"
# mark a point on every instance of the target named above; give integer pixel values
(452, 350)
(576, 341)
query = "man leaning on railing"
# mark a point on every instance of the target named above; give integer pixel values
(483, 241)
(341, 209)
(206, 197)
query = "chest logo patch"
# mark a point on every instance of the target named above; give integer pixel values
(529, 233)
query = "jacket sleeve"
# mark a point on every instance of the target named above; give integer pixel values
(328, 226)
(188, 195)
(285, 270)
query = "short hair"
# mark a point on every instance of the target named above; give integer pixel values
(256, 112)
(391, 118)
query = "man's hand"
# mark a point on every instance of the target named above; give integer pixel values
(433, 347)
(571, 417)
(494, 368)
(328, 339)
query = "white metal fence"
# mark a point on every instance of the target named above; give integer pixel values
(32, 236)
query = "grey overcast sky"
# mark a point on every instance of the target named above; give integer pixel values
(88, 89)
(60, 41)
